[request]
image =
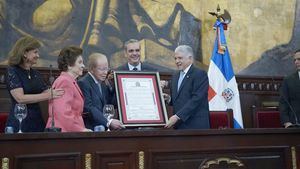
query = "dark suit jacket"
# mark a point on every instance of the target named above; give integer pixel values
(290, 92)
(144, 67)
(190, 103)
(94, 101)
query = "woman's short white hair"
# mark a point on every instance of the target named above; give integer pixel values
(185, 49)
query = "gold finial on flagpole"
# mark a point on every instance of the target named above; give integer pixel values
(225, 17)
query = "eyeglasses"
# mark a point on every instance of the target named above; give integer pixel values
(103, 69)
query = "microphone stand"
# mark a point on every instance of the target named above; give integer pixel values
(52, 129)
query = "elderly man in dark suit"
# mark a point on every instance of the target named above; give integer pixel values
(189, 90)
(132, 49)
(289, 103)
(97, 93)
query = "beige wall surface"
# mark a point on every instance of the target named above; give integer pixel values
(256, 26)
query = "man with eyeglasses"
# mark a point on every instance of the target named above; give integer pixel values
(97, 94)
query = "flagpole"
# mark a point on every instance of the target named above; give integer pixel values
(223, 90)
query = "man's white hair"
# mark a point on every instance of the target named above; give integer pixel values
(186, 50)
(93, 60)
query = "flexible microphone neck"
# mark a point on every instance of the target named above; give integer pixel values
(52, 126)
(107, 80)
(52, 114)
(51, 77)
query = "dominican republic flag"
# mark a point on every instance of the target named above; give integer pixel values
(223, 91)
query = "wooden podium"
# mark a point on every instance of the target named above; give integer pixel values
(150, 149)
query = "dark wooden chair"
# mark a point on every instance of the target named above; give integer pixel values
(266, 117)
(3, 118)
(221, 119)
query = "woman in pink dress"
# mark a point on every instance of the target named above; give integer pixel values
(67, 110)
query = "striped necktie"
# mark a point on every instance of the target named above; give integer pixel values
(101, 93)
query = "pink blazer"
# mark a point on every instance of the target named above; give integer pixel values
(68, 109)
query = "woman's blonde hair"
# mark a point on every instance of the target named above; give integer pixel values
(24, 44)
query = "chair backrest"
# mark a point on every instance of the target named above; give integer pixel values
(3, 118)
(221, 119)
(267, 119)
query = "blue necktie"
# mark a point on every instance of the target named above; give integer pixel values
(101, 93)
(99, 86)
(180, 79)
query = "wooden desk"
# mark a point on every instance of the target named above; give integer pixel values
(152, 149)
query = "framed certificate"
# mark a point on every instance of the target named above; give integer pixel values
(140, 100)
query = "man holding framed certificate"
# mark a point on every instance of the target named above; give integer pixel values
(189, 90)
(97, 94)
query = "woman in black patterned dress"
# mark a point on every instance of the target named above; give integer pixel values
(25, 85)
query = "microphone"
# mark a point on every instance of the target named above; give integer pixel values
(292, 110)
(52, 128)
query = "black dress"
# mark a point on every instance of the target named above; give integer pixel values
(32, 83)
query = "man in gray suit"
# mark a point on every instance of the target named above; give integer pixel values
(289, 103)
(132, 49)
(189, 90)
(97, 93)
